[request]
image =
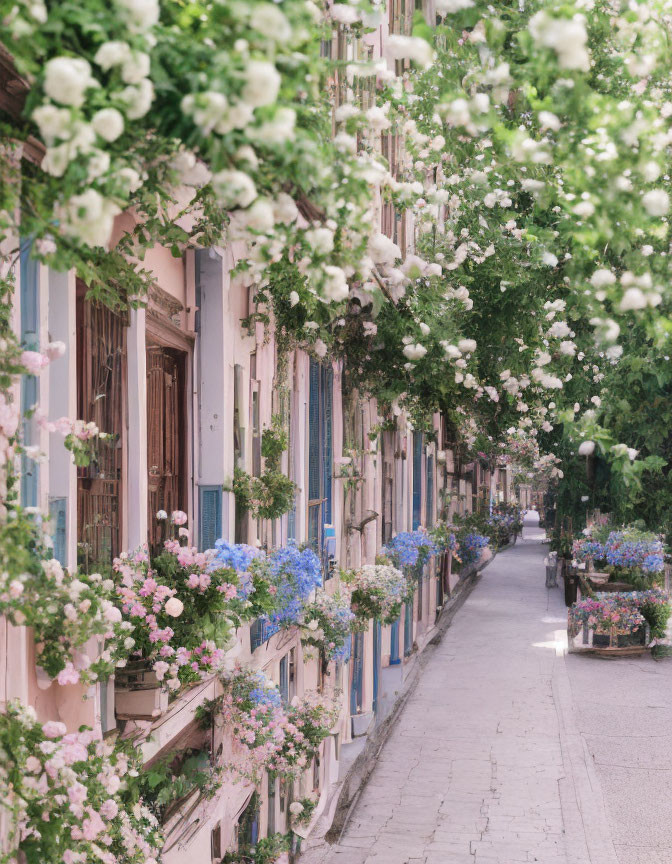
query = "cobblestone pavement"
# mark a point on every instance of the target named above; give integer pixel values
(491, 761)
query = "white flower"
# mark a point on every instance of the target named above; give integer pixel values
(424, 329)
(138, 98)
(260, 216)
(294, 298)
(335, 285)
(584, 209)
(285, 210)
(411, 48)
(161, 514)
(634, 298)
(174, 607)
(130, 178)
(234, 188)
(66, 80)
(343, 13)
(549, 259)
(135, 67)
(377, 118)
(568, 347)
(112, 54)
(321, 240)
(559, 329)
(656, 202)
(383, 250)
(566, 36)
(52, 122)
(452, 351)
(601, 278)
(467, 346)
(98, 164)
(586, 448)
(296, 807)
(108, 124)
(548, 120)
(262, 83)
(632, 453)
(271, 22)
(415, 351)
(450, 7)
(140, 15)
(90, 217)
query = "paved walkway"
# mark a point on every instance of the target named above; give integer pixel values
(491, 761)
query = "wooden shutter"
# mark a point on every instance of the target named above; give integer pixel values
(417, 479)
(101, 370)
(166, 435)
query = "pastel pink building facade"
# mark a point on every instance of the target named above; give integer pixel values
(185, 392)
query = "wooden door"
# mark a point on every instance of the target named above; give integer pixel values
(166, 435)
(101, 382)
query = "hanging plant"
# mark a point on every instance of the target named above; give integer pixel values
(327, 624)
(270, 495)
(377, 591)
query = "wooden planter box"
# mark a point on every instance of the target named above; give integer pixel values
(614, 643)
(137, 693)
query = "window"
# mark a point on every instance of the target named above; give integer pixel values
(320, 453)
(247, 832)
(216, 842)
(29, 273)
(166, 435)
(429, 493)
(284, 679)
(272, 784)
(101, 398)
(417, 479)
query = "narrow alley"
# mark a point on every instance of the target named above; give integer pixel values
(511, 751)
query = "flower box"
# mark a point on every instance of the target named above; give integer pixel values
(138, 694)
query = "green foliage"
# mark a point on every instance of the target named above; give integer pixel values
(270, 495)
(265, 851)
(171, 778)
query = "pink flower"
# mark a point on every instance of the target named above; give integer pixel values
(92, 826)
(33, 764)
(34, 361)
(179, 517)
(54, 729)
(77, 793)
(109, 809)
(69, 675)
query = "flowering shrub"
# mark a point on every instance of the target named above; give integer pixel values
(625, 610)
(633, 550)
(65, 611)
(72, 798)
(584, 549)
(443, 535)
(327, 623)
(604, 612)
(377, 591)
(411, 548)
(292, 574)
(471, 547)
(273, 737)
(182, 610)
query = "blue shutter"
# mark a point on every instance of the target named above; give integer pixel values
(210, 510)
(284, 679)
(417, 479)
(57, 515)
(357, 664)
(328, 454)
(314, 486)
(30, 387)
(429, 491)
